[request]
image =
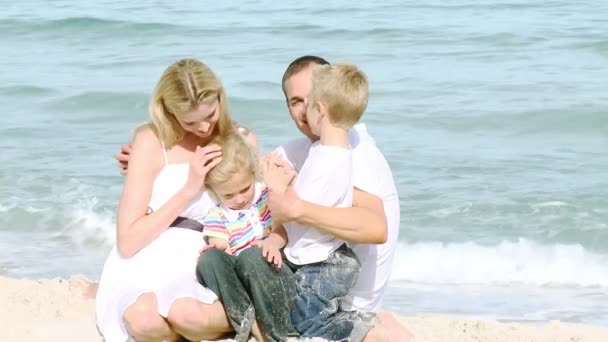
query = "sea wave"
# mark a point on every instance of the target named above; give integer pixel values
(80, 24)
(69, 211)
(519, 262)
(103, 100)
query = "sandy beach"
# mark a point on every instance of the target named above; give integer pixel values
(56, 310)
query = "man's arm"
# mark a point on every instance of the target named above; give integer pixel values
(123, 157)
(365, 222)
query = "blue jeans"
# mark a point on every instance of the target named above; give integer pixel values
(320, 288)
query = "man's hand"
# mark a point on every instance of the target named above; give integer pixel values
(284, 206)
(122, 158)
(217, 243)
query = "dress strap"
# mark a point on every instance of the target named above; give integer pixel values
(162, 144)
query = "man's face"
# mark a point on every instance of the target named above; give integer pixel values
(297, 88)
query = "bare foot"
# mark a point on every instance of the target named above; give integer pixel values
(90, 292)
(389, 329)
(86, 286)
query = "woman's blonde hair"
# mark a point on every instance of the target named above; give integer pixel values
(184, 86)
(237, 155)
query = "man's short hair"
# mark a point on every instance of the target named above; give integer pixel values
(300, 64)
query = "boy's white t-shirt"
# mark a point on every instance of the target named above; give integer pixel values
(325, 178)
(372, 174)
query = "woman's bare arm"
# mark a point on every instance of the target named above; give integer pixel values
(135, 229)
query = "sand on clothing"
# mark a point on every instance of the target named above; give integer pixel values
(56, 310)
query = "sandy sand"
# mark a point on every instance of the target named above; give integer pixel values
(55, 310)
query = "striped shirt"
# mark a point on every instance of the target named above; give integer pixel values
(240, 228)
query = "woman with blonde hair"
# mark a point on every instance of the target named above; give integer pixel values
(147, 291)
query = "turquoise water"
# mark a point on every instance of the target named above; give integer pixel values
(493, 115)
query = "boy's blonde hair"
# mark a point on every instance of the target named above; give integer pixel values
(237, 155)
(343, 89)
(184, 86)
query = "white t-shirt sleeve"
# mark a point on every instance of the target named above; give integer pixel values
(326, 176)
(295, 152)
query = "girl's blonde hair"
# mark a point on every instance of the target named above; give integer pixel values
(184, 86)
(237, 155)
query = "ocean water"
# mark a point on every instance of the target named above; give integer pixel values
(493, 115)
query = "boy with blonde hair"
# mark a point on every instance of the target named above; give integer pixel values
(325, 267)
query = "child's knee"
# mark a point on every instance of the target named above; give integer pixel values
(250, 260)
(209, 263)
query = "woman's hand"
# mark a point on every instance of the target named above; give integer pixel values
(204, 159)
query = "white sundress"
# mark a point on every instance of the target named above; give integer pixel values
(165, 267)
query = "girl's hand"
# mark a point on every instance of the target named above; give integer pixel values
(220, 244)
(270, 251)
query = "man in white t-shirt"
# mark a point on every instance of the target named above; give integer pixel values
(371, 226)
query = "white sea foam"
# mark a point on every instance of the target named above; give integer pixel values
(521, 262)
(6, 207)
(86, 225)
(67, 211)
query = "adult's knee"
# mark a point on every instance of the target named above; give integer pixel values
(186, 315)
(142, 319)
(195, 321)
